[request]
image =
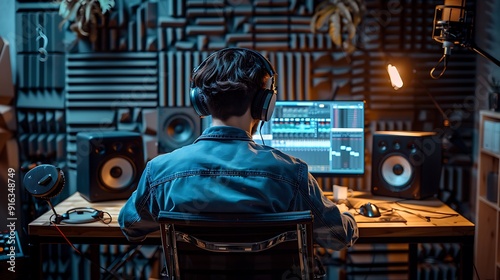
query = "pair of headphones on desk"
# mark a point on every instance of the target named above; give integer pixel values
(82, 215)
(264, 100)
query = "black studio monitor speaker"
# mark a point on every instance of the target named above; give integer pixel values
(109, 164)
(406, 164)
(177, 127)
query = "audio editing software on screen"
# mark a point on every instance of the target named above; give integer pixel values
(328, 135)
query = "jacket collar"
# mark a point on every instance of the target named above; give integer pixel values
(224, 132)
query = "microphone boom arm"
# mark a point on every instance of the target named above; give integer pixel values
(475, 48)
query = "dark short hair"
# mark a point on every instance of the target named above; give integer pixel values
(229, 80)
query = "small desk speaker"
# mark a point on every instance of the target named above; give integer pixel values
(406, 164)
(177, 127)
(109, 164)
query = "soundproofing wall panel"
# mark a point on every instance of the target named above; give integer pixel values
(104, 80)
(38, 28)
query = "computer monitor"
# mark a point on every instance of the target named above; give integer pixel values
(328, 135)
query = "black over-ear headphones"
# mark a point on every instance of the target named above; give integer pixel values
(264, 100)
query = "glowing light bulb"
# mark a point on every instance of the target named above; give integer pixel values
(396, 80)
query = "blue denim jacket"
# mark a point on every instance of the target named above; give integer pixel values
(224, 170)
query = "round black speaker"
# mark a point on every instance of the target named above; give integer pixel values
(117, 173)
(112, 167)
(177, 127)
(405, 164)
(397, 172)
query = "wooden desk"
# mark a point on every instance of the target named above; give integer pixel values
(417, 229)
(427, 221)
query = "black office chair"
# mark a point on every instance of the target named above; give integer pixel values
(238, 246)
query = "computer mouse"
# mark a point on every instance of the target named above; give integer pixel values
(369, 210)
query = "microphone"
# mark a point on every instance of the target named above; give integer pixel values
(453, 25)
(449, 28)
(449, 24)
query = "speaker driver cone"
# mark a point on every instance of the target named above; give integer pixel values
(180, 129)
(177, 127)
(396, 171)
(117, 173)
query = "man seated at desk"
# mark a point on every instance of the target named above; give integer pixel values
(224, 170)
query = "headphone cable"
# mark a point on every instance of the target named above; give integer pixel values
(260, 133)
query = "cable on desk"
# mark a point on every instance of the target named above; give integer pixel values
(92, 215)
(427, 218)
(96, 215)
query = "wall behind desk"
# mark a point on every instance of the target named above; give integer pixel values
(144, 53)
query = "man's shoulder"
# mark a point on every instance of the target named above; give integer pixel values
(284, 156)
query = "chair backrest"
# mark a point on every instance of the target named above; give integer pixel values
(238, 246)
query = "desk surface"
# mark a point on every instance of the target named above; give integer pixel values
(414, 212)
(424, 218)
(439, 228)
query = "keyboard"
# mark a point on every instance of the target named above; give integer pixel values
(10, 245)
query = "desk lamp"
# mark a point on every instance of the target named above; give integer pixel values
(47, 181)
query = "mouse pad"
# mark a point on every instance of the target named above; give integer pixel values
(386, 217)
